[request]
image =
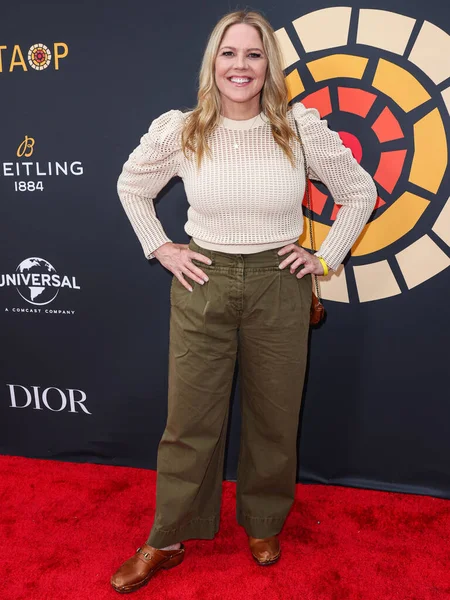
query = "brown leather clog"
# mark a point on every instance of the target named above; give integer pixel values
(140, 568)
(265, 551)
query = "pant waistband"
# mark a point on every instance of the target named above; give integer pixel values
(258, 260)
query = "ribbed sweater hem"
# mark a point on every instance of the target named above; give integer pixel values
(242, 248)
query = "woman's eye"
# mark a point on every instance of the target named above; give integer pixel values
(231, 53)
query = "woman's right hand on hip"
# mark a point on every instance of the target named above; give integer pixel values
(177, 258)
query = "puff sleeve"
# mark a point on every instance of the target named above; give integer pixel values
(148, 169)
(350, 185)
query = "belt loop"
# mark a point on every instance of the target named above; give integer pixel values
(278, 258)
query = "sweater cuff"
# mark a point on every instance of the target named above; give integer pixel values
(150, 249)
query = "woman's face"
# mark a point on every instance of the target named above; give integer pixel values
(240, 69)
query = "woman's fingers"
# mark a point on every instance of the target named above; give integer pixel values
(198, 273)
(177, 258)
(296, 264)
(200, 257)
(308, 268)
(194, 273)
(287, 248)
(300, 258)
(287, 261)
(183, 281)
(189, 269)
(297, 254)
(313, 266)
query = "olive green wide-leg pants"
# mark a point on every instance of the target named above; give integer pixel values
(254, 311)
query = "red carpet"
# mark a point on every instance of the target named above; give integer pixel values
(66, 527)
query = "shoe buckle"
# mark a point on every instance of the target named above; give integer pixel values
(144, 554)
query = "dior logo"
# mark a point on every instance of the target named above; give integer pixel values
(50, 398)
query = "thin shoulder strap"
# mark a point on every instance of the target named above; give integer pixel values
(308, 202)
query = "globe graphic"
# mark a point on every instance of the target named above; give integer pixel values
(41, 294)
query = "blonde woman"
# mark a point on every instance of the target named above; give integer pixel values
(241, 287)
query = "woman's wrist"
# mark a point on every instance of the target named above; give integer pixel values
(324, 265)
(157, 252)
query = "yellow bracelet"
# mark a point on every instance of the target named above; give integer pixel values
(324, 265)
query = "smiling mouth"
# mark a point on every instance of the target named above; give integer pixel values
(240, 81)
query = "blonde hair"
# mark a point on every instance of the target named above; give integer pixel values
(274, 96)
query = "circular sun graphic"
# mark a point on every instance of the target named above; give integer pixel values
(375, 78)
(39, 56)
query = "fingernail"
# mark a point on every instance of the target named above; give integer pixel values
(280, 267)
(206, 278)
(201, 282)
(209, 262)
(190, 289)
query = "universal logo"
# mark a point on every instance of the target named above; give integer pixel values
(39, 57)
(38, 283)
(50, 398)
(36, 169)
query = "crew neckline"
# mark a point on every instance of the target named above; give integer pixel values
(257, 121)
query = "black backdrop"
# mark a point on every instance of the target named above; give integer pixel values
(84, 376)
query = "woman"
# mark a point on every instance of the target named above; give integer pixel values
(242, 287)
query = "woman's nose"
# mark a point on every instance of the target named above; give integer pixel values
(241, 60)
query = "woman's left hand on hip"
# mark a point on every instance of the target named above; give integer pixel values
(296, 258)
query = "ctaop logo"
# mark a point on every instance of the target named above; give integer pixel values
(379, 79)
(38, 283)
(38, 56)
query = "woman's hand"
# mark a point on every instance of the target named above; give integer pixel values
(298, 257)
(177, 258)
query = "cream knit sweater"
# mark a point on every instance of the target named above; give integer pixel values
(247, 197)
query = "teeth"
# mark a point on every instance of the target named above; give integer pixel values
(240, 79)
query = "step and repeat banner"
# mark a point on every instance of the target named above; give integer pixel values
(85, 317)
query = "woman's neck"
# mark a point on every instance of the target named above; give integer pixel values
(240, 111)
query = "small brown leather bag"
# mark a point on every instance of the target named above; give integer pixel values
(317, 311)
